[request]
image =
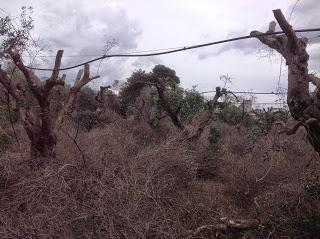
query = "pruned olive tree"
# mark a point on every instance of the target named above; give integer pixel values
(39, 121)
(304, 105)
(161, 78)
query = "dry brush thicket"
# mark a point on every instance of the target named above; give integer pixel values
(155, 160)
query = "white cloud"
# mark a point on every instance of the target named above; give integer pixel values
(81, 28)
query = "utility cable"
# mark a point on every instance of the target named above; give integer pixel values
(172, 51)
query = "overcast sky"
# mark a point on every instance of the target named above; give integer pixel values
(83, 28)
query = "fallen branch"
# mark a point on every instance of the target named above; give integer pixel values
(226, 226)
(293, 130)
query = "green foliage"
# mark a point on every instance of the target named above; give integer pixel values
(15, 32)
(131, 90)
(230, 114)
(308, 226)
(4, 137)
(185, 102)
(193, 103)
(176, 97)
(87, 119)
(312, 188)
(250, 122)
(5, 116)
(189, 102)
(4, 141)
(214, 135)
(164, 72)
(86, 100)
(233, 115)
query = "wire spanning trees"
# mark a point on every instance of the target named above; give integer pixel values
(303, 105)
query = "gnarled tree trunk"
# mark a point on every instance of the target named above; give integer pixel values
(164, 102)
(41, 125)
(304, 106)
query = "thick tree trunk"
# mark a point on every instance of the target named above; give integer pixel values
(166, 106)
(40, 125)
(41, 134)
(313, 130)
(304, 107)
(41, 147)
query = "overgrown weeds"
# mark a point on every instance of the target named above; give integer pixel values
(133, 183)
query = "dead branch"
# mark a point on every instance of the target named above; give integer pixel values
(213, 104)
(54, 79)
(226, 226)
(314, 80)
(8, 85)
(32, 84)
(293, 130)
(287, 130)
(74, 140)
(99, 97)
(302, 104)
(83, 78)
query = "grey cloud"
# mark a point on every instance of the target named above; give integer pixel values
(305, 15)
(246, 46)
(146, 62)
(82, 31)
(307, 8)
(314, 62)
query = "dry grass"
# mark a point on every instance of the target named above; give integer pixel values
(134, 184)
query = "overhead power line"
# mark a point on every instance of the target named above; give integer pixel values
(165, 52)
(247, 92)
(98, 55)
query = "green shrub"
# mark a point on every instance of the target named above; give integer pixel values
(234, 116)
(87, 119)
(5, 116)
(230, 114)
(193, 103)
(4, 141)
(308, 226)
(312, 188)
(190, 102)
(214, 135)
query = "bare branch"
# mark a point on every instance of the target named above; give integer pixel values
(8, 85)
(227, 226)
(54, 79)
(57, 64)
(78, 78)
(315, 80)
(213, 104)
(34, 87)
(287, 130)
(287, 28)
(79, 83)
(99, 96)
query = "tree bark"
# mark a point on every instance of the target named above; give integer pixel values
(166, 106)
(303, 106)
(41, 126)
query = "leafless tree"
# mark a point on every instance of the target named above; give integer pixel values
(40, 120)
(41, 125)
(304, 106)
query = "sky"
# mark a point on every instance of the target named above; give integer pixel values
(84, 28)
